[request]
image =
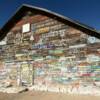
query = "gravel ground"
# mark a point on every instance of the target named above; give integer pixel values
(31, 95)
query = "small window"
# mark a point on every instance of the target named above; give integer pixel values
(26, 28)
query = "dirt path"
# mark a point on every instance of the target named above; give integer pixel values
(44, 96)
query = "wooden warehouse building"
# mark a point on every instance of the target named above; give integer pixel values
(40, 47)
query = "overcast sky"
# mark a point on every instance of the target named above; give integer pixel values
(85, 11)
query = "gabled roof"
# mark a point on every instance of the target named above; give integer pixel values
(20, 13)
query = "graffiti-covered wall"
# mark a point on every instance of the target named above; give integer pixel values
(43, 50)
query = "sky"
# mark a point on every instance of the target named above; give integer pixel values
(84, 11)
